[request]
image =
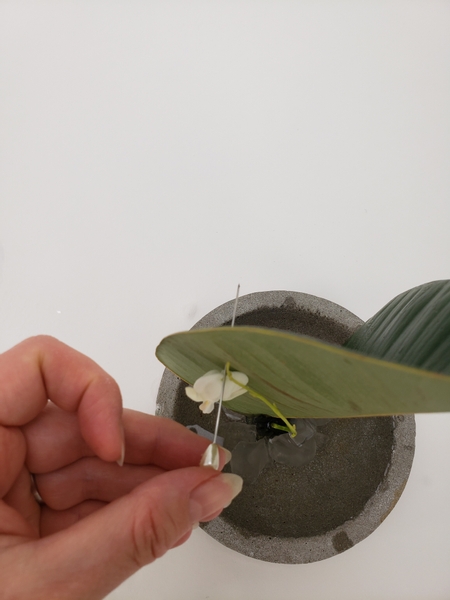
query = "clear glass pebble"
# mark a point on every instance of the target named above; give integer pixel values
(249, 459)
(305, 431)
(232, 415)
(284, 449)
(204, 433)
(233, 433)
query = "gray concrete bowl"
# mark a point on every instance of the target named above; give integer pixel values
(302, 515)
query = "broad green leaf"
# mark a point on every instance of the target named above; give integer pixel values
(397, 362)
(413, 329)
(303, 376)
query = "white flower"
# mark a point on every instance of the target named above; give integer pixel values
(208, 388)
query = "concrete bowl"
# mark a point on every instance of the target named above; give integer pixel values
(302, 515)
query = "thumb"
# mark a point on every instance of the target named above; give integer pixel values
(91, 558)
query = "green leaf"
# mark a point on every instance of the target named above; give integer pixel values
(413, 329)
(309, 378)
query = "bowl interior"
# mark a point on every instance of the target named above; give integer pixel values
(348, 468)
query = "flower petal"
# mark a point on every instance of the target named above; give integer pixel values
(208, 389)
(209, 386)
(232, 390)
(192, 394)
(213, 372)
(206, 407)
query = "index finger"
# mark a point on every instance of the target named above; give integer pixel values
(54, 440)
(41, 369)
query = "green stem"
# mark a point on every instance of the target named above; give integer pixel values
(273, 407)
(280, 427)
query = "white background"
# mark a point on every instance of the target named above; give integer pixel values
(154, 154)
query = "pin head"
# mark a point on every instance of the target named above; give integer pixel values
(211, 457)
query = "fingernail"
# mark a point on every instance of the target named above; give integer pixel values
(122, 455)
(227, 454)
(213, 495)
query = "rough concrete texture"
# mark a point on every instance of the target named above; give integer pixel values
(327, 506)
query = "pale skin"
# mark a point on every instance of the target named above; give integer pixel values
(61, 419)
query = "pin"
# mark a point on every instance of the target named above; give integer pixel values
(211, 457)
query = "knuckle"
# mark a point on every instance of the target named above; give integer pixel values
(151, 535)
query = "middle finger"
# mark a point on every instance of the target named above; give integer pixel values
(91, 479)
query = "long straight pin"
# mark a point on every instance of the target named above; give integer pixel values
(219, 411)
(211, 456)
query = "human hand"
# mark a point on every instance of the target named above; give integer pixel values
(99, 522)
